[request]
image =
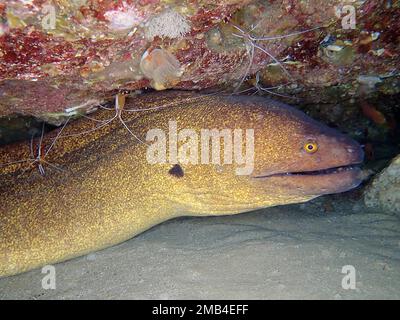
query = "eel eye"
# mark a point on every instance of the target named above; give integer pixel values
(311, 147)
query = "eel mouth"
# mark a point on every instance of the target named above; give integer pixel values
(321, 172)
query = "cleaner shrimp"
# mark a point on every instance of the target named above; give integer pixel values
(37, 157)
(119, 109)
(252, 43)
(259, 89)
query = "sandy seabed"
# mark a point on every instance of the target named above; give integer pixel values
(288, 252)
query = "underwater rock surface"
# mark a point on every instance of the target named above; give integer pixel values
(58, 58)
(384, 191)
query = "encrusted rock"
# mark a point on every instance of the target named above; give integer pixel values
(384, 191)
(80, 53)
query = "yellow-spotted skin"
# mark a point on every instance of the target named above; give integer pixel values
(107, 191)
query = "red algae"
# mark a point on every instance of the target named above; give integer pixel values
(95, 48)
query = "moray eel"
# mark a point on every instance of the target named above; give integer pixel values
(108, 192)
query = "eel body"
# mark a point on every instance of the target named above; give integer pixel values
(100, 188)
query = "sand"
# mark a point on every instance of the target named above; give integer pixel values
(288, 252)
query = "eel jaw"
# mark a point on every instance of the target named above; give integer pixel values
(328, 171)
(312, 183)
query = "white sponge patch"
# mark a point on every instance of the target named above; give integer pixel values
(167, 24)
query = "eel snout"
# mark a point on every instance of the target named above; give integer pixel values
(333, 168)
